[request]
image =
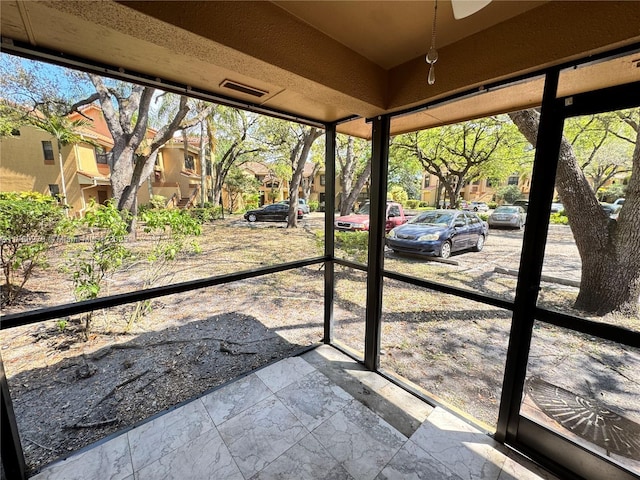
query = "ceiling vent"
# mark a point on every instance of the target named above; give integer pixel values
(238, 87)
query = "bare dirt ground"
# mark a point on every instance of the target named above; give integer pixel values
(68, 393)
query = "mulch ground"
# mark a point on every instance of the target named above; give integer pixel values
(68, 392)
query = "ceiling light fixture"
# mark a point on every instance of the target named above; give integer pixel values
(432, 54)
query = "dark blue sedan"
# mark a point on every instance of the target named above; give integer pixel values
(439, 233)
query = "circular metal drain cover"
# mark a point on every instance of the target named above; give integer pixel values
(587, 417)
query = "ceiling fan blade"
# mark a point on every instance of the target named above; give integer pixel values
(464, 8)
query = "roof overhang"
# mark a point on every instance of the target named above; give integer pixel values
(314, 72)
(85, 178)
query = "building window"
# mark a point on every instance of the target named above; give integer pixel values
(189, 163)
(513, 180)
(47, 150)
(427, 181)
(323, 180)
(54, 190)
(15, 132)
(101, 158)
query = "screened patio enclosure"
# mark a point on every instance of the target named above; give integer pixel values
(584, 60)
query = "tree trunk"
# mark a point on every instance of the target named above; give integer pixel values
(346, 178)
(303, 147)
(608, 249)
(308, 183)
(203, 166)
(349, 201)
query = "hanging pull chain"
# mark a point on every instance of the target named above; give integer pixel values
(432, 54)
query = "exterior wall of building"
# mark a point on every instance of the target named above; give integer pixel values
(23, 166)
(481, 190)
(86, 159)
(172, 164)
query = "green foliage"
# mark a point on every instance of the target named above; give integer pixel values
(483, 216)
(603, 144)
(559, 218)
(10, 121)
(29, 225)
(508, 194)
(239, 183)
(398, 194)
(206, 214)
(412, 204)
(423, 204)
(354, 244)
(157, 201)
(313, 205)
(490, 147)
(251, 200)
(612, 192)
(178, 222)
(492, 205)
(91, 263)
(173, 228)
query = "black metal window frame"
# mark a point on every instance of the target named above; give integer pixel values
(47, 151)
(524, 308)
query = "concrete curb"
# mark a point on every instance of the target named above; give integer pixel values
(544, 278)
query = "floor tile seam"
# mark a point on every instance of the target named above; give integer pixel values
(213, 425)
(360, 431)
(218, 426)
(447, 468)
(271, 394)
(275, 397)
(133, 467)
(283, 453)
(338, 461)
(230, 454)
(350, 402)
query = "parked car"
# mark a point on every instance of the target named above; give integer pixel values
(302, 205)
(476, 206)
(360, 220)
(618, 201)
(611, 209)
(522, 203)
(557, 207)
(439, 233)
(512, 216)
(276, 212)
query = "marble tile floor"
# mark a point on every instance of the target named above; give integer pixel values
(318, 416)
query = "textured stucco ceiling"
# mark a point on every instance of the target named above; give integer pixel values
(331, 60)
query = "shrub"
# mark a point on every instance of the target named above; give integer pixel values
(483, 216)
(509, 194)
(412, 204)
(313, 205)
(354, 244)
(398, 194)
(559, 218)
(423, 204)
(175, 226)
(29, 223)
(157, 201)
(203, 215)
(90, 264)
(492, 205)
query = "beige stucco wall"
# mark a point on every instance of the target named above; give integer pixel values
(22, 165)
(23, 168)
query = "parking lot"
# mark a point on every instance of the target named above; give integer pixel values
(501, 250)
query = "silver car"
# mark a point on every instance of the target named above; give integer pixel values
(512, 216)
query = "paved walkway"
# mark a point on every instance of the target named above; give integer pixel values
(319, 416)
